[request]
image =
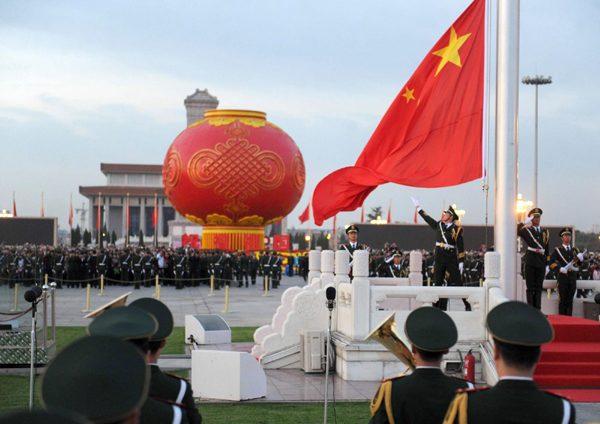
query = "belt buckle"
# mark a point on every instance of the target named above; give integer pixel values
(442, 245)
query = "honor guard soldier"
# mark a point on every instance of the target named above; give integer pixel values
(392, 269)
(137, 265)
(564, 261)
(449, 249)
(352, 245)
(537, 255)
(266, 262)
(100, 378)
(102, 261)
(518, 330)
(584, 274)
(423, 396)
(148, 265)
(217, 264)
(58, 265)
(253, 267)
(244, 269)
(29, 273)
(276, 269)
(136, 326)
(125, 266)
(179, 265)
(165, 386)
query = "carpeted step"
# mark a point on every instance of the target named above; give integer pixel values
(571, 352)
(572, 368)
(567, 381)
(576, 330)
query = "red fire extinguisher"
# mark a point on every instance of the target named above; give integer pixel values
(470, 367)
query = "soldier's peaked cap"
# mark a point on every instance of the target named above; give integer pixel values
(564, 231)
(452, 212)
(535, 211)
(161, 312)
(431, 329)
(124, 323)
(100, 377)
(518, 323)
(397, 252)
(352, 229)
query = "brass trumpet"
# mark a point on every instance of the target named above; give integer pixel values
(388, 335)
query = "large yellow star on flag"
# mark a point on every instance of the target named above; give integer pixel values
(450, 53)
(409, 95)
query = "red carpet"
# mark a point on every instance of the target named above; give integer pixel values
(570, 365)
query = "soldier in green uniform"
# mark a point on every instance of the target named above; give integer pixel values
(352, 245)
(179, 265)
(537, 255)
(112, 387)
(244, 269)
(449, 250)
(566, 278)
(137, 326)
(252, 267)
(148, 262)
(102, 260)
(58, 266)
(429, 264)
(12, 269)
(3, 265)
(518, 330)
(29, 270)
(217, 263)
(584, 274)
(392, 269)
(125, 266)
(137, 266)
(162, 385)
(276, 269)
(424, 395)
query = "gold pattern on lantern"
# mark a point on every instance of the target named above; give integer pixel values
(195, 219)
(216, 219)
(251, 220)
(274, 220)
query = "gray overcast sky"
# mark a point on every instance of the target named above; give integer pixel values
(89, 82)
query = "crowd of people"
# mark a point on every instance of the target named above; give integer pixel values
(180, 267)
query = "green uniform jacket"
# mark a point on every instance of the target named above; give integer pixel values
(174, 389)
(535, 240)
(510, 401)
(155, 412)
(422, 397)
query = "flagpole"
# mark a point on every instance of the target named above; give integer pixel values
(507, 114)
(127, 222)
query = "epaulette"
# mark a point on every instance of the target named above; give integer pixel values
(394, 378)
(474, 389)
(176, 376)
(557, 395)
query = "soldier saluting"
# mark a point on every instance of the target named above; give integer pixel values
(392, 269)
(537, 255)
(564, 262)
(353, 244)
(449, 249)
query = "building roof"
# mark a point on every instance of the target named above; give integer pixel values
(90, 191)
(201, 96)
(109, 168)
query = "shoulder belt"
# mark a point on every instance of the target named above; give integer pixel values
(345, 246)
(442, 231)
(383, 394)
(141, 259)
(534, 239)
(171, 402)
(103, 260)
(561, 255)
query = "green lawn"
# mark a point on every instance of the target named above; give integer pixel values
(175, 343)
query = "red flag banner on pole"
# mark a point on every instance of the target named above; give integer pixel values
(431, 136)
(305, 215)
(155, 213)
(362, 214)
(416, 212)
(71, 212)
(389, 220)
(99, 213)
(128, 216)
(14, 205)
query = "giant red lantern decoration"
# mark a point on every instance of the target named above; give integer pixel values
(233, 172)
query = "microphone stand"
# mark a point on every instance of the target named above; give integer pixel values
(33, 346)
(330, 306)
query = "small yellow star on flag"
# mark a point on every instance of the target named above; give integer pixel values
(409, 95)
(450, 53)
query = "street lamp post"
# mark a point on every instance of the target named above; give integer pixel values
(538, 80)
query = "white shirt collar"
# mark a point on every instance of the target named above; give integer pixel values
(566, 247)
(423, 367)
(515, 377)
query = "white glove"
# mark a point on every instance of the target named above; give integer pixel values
(461, 265)
(528, 221)
(415, 201)
(563, 270)
(580, 257)
(547, 270)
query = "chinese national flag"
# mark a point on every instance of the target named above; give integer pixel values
(71, 215)
(431, 136)
(389, 220)
(14, 206)
(155, 216)
(305, 215)
(99, 214)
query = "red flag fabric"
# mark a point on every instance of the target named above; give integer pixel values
(305, 215)
(14, 206)
(416, 213)
(362, 214)
(99, 213)
(431, 136)
(155, 216)
(389, 220)
(71, 215)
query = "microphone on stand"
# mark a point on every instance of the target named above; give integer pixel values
(33, 294)
(330, 295)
